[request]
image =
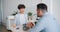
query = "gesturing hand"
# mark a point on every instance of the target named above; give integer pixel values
(30, 25)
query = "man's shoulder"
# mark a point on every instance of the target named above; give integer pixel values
(50, 17)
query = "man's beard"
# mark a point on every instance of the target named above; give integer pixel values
(39, 16)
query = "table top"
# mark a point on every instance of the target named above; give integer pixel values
(20, 29)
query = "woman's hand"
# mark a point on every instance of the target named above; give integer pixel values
(14, 25)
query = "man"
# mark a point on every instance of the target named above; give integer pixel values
(46, 23)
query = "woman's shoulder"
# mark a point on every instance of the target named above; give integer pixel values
(17, 15)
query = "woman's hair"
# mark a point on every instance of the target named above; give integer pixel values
(21, 6)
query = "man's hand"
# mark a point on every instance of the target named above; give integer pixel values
(30, 25)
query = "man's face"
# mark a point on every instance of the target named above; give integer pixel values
(39, 13)
(22, 10)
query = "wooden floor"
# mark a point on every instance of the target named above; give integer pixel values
(3, 29)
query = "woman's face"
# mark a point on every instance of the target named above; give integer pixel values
(22, 10)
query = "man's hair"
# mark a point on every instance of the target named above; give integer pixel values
(21, 6)
(42, 6)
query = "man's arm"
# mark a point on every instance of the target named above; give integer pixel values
(40, 25)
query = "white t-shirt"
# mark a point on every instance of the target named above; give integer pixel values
(21, 19)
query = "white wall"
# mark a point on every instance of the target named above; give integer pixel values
(56, 10)
(49, 5)
(8, 7)
(0, 13)
(11, 5)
